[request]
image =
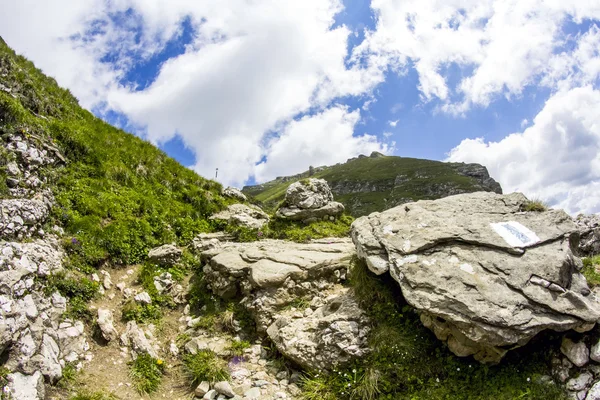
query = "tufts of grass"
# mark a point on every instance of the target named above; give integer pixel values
(69, 372)
(132, 311)
(205, 366)
(237, 347)
(87, 395)
(146, 373)
(535, 205)
(591, 270)
(78, 289)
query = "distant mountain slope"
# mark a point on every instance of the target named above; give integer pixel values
(375, 183)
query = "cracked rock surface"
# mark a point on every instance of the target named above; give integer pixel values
(485, 276)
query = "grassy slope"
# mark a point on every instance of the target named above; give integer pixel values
(421, 176)
(118, 195)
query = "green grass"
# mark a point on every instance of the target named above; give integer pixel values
(237, 347)
(591, 270)
(422, 178)
(408, 362)
(78, 289)
(205, 366)
(146, 373)
(88, 395)
(133, 311)
(535, 205)
(118, 195)
(69, 372)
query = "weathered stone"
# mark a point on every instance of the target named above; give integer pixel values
(167, 254)
(576, 352)
(210, 395)
(252, 393)
(26, 387)
(580, 383)
(202, 389)
(247, 216)
(594, 392)
(135, 338)
(234, 193)
(476, 268)
(105, 322)
(595, 351)
(588, 227)
(309, 200)
(333, 335)
(224, 387)
(143, 298)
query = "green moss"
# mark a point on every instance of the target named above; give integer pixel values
(408, 362)
(205, 366)
(146, 373)
(591, 270)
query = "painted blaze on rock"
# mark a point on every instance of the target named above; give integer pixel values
(485, 276)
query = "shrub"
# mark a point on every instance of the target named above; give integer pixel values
(133, 311)
(146, 373)
(535, 205)
(205, 366)
(591, 265)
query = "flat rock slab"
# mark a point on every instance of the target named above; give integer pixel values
(269, 263)
(485, 276)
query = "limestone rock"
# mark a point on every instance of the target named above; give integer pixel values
(588, 227)
(595, 351)
(576, 352)
(224, 388)
(485, 276)
(135, 338)
(105, 322)
(580, 383)
(202, 389)
(332, 335)
(143, 298)
(26, 387)
(234, 193)
(247, 216)
(309, 200)
(167, 254)
(594, 392)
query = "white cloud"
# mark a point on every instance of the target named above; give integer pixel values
(557, 158)
(393, 123)
(501, 46)
(387, 134)
(303, 143)
(524, 123)
(251, 68)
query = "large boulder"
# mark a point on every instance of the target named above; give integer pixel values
(309, 200)
(485, 276)
(167, 254)
(293, 292)
(247, 216)
(234, 193)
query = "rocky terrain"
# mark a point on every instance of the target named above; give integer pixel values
(376, 183)
(126, 276)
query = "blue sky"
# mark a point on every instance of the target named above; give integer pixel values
(265, 89)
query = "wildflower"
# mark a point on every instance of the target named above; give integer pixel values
(458, 369)
(259, 234)
(528, 379)
(159, 361)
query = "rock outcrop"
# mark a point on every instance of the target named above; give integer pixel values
(247, 216)
(588, 227)
(234, 193)
(485, 276)
(309, 200)
(292, 291)
(167, 254)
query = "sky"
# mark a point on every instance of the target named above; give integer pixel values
(260, 89)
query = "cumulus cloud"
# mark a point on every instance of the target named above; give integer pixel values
(393, 123)
(500, 46)
(303, 143)
(251, 68)
(557, 158)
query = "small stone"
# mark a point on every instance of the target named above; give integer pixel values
(143, 297)
(252, 394)
(224, 387)
(210, 395)
(202, 389)
(576, 352)
(595, 352)
(95, 277)
(579, 383)
(260, 383)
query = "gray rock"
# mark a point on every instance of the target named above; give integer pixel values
(202, 389)
(210, 395)
(252, 393)
(594, 392)
(247, 216)
(143, 298)
(588, 227)
(167, 254)
(105, 322)
(333, 335)
(26, 387)
(580, 383)
(595, 351)
(224, 388)
(476, 268)
(576, 352)
(135, 338)
(309, 200)
(234, 193)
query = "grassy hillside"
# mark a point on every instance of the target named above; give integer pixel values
(117, 195)
(370, 184)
